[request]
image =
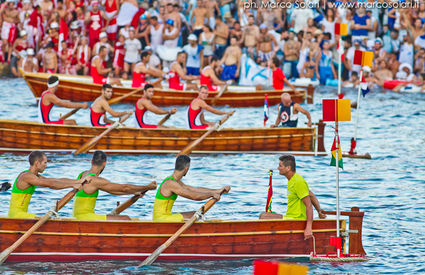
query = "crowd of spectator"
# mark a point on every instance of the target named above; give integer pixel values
(62, 36)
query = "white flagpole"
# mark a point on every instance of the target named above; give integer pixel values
(338, 251)
(358, 105)
(340, 51)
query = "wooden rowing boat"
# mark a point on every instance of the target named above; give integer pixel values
(26, 136)
(81, 88)
(72, 240)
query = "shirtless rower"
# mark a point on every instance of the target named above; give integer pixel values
(50, 59)
(85, 199)
(288, 113)
(144, 105)
(200, 13)
(195, 112)
(48, 99)
(98, 69)
(208, 76)
(249, 36)
(10, 16)
(265, 44)
(178, 71)
(28, 180)
(142, 69)
(100, 106)
(231, 61)
(172, 187)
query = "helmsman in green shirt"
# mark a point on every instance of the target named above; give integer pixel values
(300, 199)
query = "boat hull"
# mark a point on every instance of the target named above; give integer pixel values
(80, 88)
(23, 136)
(72, 240)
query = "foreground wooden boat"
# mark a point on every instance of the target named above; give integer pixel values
(25, 136)
(72, 240)
(81, 88)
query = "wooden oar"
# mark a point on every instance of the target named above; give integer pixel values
(186, 150)
(89, 144)
(126, 204)
(44, 219)
(188, 224)
(223, 89)
(65, 116)
(164, 119)
(118, 99)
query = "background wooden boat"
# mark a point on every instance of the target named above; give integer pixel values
(27, 136)
(81, 88)
(72, 240)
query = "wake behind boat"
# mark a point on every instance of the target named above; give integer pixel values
(82, 88)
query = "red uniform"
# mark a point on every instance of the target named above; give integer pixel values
(83, 55)
(193, 117)
(141, 117)
(44, 111)
(97, 119)
(112, 27)
(139, 80)
(206, 80)
(278, 78)
(174, 81)
(95, 27)
(119, 54)
(97, 78)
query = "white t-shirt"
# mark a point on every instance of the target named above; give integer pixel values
(173, 42)
(156, 36)
(420, 42)
(193, 56)
(132, 47)
(300, 16)
(406, 54)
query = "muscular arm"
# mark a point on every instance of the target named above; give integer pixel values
(207, 107)
(308, 231)
(154, 109)
(63, 103)
(305, 112)
(53, 183)
(316, 205)
(121, 189)
(277, 118)
(100, 69)
(192, 194)
(214, 78)
(108, 109)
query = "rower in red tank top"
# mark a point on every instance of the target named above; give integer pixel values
(100, 106)
(49, 99)
(144, 105)
(142, 69)
(177, 72)
(195, 112)
(208, 77)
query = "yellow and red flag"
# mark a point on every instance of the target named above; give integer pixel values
(336, 109)
(340, 29)
(363, 58)
(336, 155)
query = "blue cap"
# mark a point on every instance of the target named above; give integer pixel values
(143, 16)
(169, 22)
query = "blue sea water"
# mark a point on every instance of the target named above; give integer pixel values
(389, 188)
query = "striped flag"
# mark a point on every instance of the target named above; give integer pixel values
(269, 194)
(334, 154)
(336, 109)
(363, 58)
(340, 29)
(266, 109)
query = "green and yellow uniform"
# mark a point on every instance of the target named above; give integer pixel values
(297, 190)
(84, 204)
(20, 200)
(162, 206)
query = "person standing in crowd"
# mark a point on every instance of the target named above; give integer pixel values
(195, 55)
(249, 37)
(94, 19)
(201, 15)
(132, 52)
(83, 56)
(231, 61)
(326, 67)
(155, 32)
(206, 39)
(221, 34)
(291, 52)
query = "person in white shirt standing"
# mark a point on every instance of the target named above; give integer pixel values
(132, 47)
(195, 55)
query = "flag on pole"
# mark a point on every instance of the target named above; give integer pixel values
(340, 29)
(334, 154)
(269, 194)
(336, 109)
(363, 58)
(266, 109)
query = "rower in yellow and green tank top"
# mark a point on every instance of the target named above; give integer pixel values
(20, 200)
(27, 181)
(84, 204)
(163, 205)
(172, 187)
(85, 199)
